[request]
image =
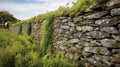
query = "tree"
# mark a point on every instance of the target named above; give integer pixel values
(6, 17)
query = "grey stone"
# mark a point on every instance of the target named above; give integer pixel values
(116, 37)
(119, 26)
(97, 50)
(108, 22)
(104, 59)
(79, 28)
(88, 44)
(89, 9)
(59, 30)
(99, 64)
(112, 4)
(85, 39)
(77, 35)
(61, 47)
(111, 30)
(74, 40)
(108, 42)
(71, 24)
(86, 54)
(69, 56)
(117, 65)
(72, 30)
(61, 18)
(79, 46)
(60, 42)
(97, 29)
(115, 51)
(86, 22)
(65, 27)
(115, 12)
(96, 15)
(115, 59)
(95, 42)
(64, 20)
(85, 28)
(56, 21)
(102, 21)
(77, 19)
(91, 60)
(77, 56)
(98, 34)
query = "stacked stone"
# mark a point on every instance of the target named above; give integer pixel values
(93, 36)
(37, 33)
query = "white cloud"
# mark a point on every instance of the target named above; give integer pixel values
(27, 10)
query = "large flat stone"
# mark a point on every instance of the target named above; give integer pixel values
(108, 22)
(96, 15)
(97, 50)
(65, 27)
(98, 34)
(91, 44)
(115, 12)
(111, 30)
(116, 37)
(74, 40)
(108, 43)
(85, 28)
(112, 4)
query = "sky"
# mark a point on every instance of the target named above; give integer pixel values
(24, 9)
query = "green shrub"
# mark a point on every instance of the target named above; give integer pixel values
(56, 60)
(20, 29)
(29, 28)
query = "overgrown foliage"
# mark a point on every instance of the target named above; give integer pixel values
(46, 38)
(20, 29)
(29, 28)
(21, 51)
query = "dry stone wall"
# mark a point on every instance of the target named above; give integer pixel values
(93, 36)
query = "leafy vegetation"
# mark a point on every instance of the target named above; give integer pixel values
(21, 51)
(46, 38)
(6, 16)
(29, 28)
(20, 29)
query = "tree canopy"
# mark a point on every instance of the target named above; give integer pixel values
(5, 16)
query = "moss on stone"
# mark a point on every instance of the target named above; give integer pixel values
(97, 50)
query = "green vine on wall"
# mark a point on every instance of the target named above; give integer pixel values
(46, 39)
